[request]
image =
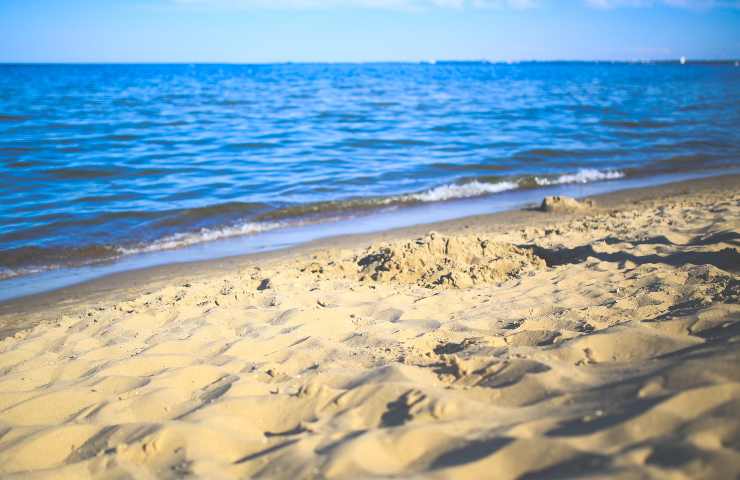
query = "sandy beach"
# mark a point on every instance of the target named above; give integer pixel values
(597, 338)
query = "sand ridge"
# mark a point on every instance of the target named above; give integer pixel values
(603, 345)
(434, 260)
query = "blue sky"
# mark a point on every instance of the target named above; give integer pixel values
(365, 30)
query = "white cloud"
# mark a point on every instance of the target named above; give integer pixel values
(369, 4)
(420, 5)
(689, 4)
(516, 4)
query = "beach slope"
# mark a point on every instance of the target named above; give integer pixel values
(594, 339)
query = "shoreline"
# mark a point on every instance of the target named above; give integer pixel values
(141, 280)
(361, 222)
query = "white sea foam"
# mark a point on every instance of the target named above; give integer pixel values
(465, 190)
(185, 239)
(476, 188)
(583, 175)
(7, 273)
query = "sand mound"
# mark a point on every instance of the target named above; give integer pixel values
(560, 204)
(441, 261)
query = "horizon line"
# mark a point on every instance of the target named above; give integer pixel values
(679, 60)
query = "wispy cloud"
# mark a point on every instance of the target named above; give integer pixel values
(688, 4)
(369, 4)
(422, 5)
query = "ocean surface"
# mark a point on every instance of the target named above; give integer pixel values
(102, 162)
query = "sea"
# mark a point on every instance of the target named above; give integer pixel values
(106, 168)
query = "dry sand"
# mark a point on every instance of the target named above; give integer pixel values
(600, 342)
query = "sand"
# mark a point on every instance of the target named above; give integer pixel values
(600, 342)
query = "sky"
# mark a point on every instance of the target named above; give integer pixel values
(247, 31)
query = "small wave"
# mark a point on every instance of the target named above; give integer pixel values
(635, 123)
(382, 104)
(464, 190)
(250, 145)
(7, 273)
(440, 193)
(547, 153)
(473, 167)
(27, 260)
(585, 175)
(17, 150)
(122, 137)
(76, 173)
(190, 216)
(185, 239)
(382, 143)
(14, 118)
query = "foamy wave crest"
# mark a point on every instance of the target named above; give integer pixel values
(583, 175)
(464, 190)
(185, 239)
(6, 273)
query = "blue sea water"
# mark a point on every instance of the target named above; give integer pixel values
(100, 162)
